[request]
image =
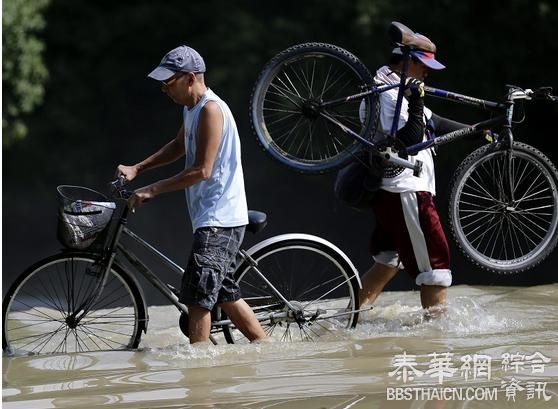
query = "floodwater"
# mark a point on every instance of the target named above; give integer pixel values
(496, 348)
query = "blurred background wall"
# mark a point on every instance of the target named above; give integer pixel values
(98, 109)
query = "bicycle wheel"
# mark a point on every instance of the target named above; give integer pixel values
(293, 112)
(43, 310)
(309, 290)
(504, 208)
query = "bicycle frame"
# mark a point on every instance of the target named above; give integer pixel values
(168, 293)
(146, 271)
(115, 248)
(505, 119)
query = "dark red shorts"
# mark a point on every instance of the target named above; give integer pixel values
(392, 234)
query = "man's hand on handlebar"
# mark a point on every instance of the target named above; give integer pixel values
(140, 196)
(128, 172)
(414, 88)
(134, 198)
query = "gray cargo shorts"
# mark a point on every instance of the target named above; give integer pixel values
(208, 279)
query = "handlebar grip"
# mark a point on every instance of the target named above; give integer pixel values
(117, 188)
(121, 181)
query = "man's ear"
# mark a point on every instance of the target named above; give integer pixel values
(191, 78)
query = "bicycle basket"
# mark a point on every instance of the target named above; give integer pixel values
(83, 214)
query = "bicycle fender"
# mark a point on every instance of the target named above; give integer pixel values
(310, 237)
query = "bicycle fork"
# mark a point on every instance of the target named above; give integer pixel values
(100, 270)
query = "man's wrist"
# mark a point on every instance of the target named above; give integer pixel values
(158, 187)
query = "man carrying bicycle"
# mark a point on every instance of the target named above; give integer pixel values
(408, 232)
(214, 185)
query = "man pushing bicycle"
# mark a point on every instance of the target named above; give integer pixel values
(214, 185)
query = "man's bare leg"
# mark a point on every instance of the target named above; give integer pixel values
(199, 324)
(433, 299)
(244, 319)
(374, 281)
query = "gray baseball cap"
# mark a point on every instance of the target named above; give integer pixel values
(182, 58)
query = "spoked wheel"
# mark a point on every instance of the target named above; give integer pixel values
(52, 308)
(299, 110)
(504, 208)
(309, 291)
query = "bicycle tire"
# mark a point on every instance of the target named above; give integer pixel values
(289, 263)
(38, 308)
(286, 112)
(498, 231)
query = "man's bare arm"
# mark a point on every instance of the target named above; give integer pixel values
(169, 153)
(210, 131)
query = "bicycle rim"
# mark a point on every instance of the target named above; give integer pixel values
(289, 116)
(505, 209)
(42, 311)
(320, 288)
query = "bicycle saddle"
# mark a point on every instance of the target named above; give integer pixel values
(256, 221)
(403, 35)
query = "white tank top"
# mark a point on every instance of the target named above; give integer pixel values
(219, 201)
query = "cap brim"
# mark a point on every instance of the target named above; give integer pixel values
(161, 74)
(430, 62)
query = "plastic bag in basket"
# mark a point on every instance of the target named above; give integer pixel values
(82, 222)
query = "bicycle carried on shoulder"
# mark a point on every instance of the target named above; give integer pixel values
(315, 106)
(88, 298)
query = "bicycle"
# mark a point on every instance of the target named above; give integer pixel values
(88, 298)
(314, 106)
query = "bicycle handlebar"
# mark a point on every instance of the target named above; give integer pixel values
(117, 189)
(543, 93)
(119, 192)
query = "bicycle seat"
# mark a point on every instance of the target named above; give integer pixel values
(403, 35)
(256, 221)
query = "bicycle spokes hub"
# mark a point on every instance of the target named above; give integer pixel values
(296, 314)
(311, 109)
(72, 321)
